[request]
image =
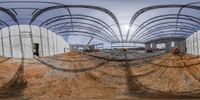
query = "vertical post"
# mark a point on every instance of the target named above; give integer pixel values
(41, 42)
(31, 36)
(48, 41)
(193, 44)
(56, 45)
(2, 44)
(111, 45)
(11, 50)
(53, 43)
(21, 44)
(197, 42)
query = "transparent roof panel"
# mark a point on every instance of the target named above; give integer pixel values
(101, 20)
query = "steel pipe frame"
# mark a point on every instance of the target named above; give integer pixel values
(94, 27)
(88, 33)
(66, 23)
(105, 24)
(169, 35)
(79, 18)
(151, 32)
(144, 10)
(155, 34)
(179, 12)
(13, 9)
(97, 22)
(79, 6)
(139, 28)
(165, 17)
(2, 44)
(57, 6)
(180, 36)
(138, 13)
(48, 41)
(172, 22)
(85, 29)
(92, 30)
(146, 32)
(74, 34)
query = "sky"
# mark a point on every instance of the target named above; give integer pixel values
(122, 9)
(125, 9)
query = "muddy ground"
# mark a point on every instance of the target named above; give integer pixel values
(90, 76)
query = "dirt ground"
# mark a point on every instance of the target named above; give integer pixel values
(78, 76)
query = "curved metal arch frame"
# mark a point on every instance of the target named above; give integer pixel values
(143, 34)
(154, 34)
(89, 33)
(165, 28)
(12, 11)
(77, 18)
(154, 21)
(11, 14)
(155, 28)
(79, 6)
(82, 16)
(138, 13)
(92, 30)
(166, 23)
(74, 34)
(98, 28)
(46, 2)
(165, 37)
(171, 22)
(111, 31)
(179, 33)
(165, 16)
(179, 12)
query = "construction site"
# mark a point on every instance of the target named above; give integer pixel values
(99, 50)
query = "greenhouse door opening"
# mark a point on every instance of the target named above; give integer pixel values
(36, 49)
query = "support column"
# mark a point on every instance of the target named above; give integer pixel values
(31, 36)
(56, 44)
(154, 45)
(11, 50)
(2, 44)
(48, 42)
(147, 45)
(53, 43)
(168, 46)
(41, 42)
(21, 44)
(181, 45)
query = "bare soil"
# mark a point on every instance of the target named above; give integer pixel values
(76, 75)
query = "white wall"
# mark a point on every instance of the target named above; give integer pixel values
(49, 43)
(193, 43)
